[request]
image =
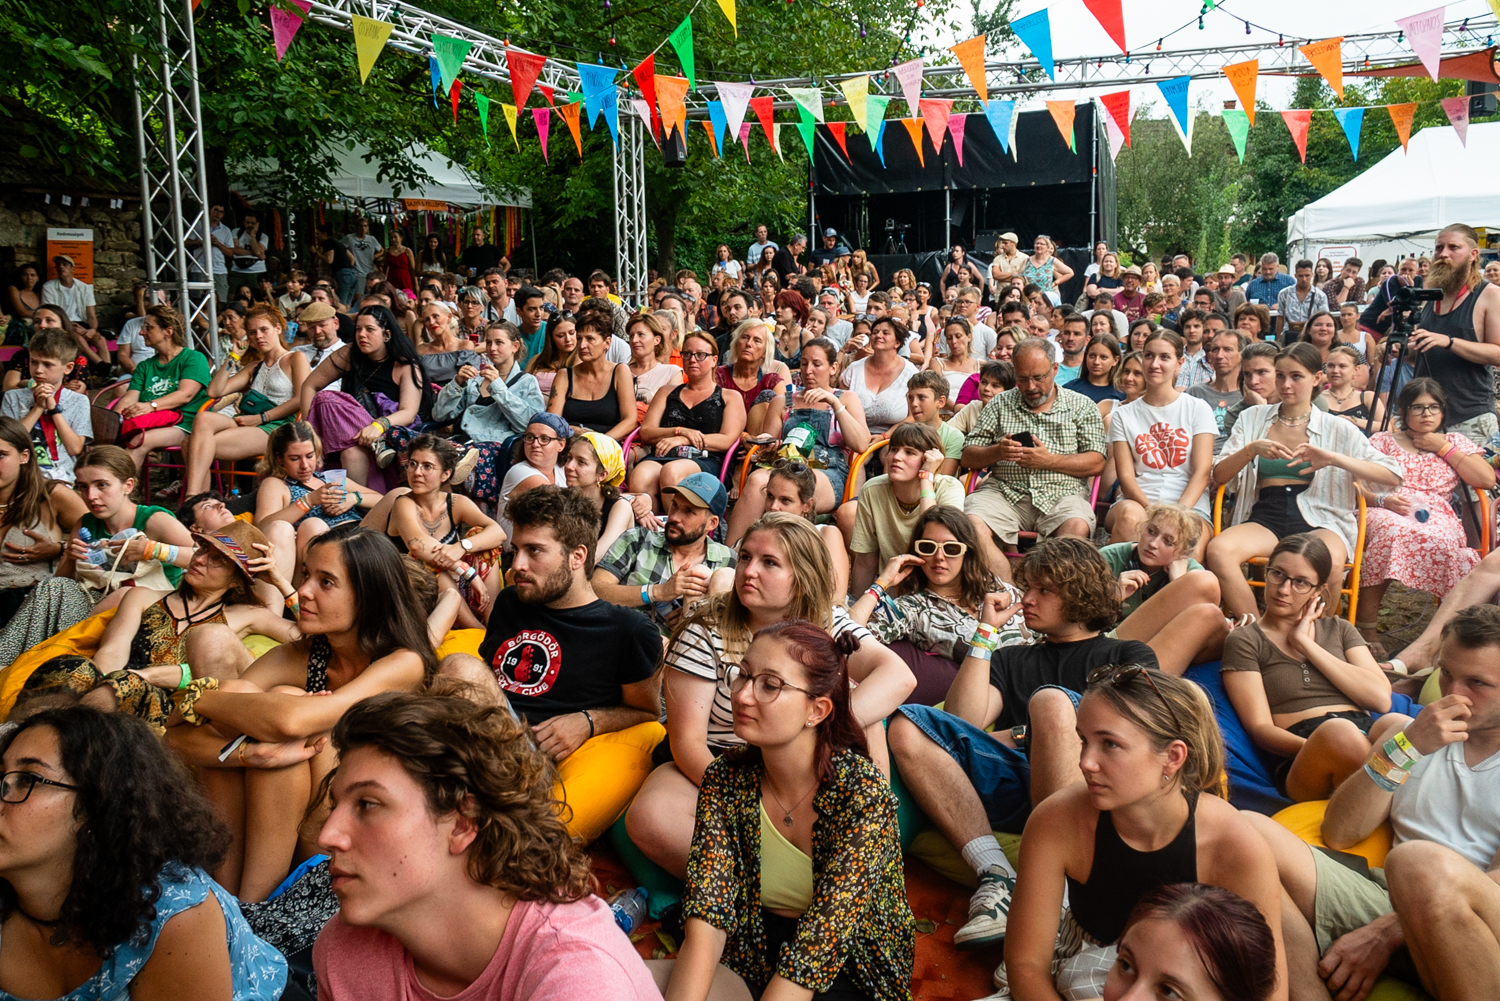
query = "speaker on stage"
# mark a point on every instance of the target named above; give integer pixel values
(674, 148)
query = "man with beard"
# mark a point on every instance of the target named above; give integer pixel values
(572, 665)
(321, 324)
(734, 309)
(1457, 340)
(661, 572)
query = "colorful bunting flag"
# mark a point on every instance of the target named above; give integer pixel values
(1424, 33)
(1175, 92)
(597, 83)
(1035, 32)
(1110, 18)
(1351, 119)
(682, 43)
(671, 94)
(1327, 57)
(484, 114)
(719, 125)
(369, 41)
(436, 75)
(524, 68)
(573, 96)
(713, 140)
(1238, 124)
(1401, 116)
(875, 116)
(910, 76)
(1115, 137)
(956, 124)
(837, 128)
(1296, 124)
(547, 93)
(935, 113)
(776, 140)
(453, 97)
(806, 127)
(970, 55)
(857, 91)
(914, 129)
(745, 139)
(611, 111)
(1118, 106)
(809, 99)
(569, 114)
(727, 6)
(1457, 110)
(647, 114)
(451, 53)
(645, 78)
(764, 111)
(877, 140)
(543, 119)
(1062, 114)
(736, 98)
(285, 24)
(1242, 77)
(510, 120)
(999, 113)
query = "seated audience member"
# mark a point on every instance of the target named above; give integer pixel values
(447, 532)
(925, 604)
(559, 352)
(166, 390)
(104, 871)
(1167, 600)
(1147, 815)
(1130, 380)
(595, 393)
(1345, 399)
(689, 428)
(1254, 321)
(1414, 536)
(1222, 392)
(1194, 941)
(971, 783)
(957, 365)
(318, 334)
(1436, 786)
(652, 368)
(292, 504)
(363, 634)
(1042, 445)
(1293, 470)
(1072, 341)
(661, 573)
(444, 345)
(1306, 688)
(455, 874)
(536, 461)
(381, 387)
(270, 393)
(1163, 446)
(926, 402)
(836, 420)
(1257, 384)
(58, 420)
(790, 489)
(1101, 359)
(29, 528)
(879, 379)
(752, 371)
(881, 519)
(995, 377)
(782, 573)
(802, 822)
(594, 466)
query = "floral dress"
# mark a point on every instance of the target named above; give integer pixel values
(1429, 556)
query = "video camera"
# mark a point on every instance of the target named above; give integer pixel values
(1405, 300)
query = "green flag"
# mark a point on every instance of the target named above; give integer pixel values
(682, 44)
(1238, 124)
(450, 53)
(806, 127)
(484, 114)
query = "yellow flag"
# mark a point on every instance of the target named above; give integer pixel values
(727, 6)
(369, 39)
(857, 90)
(510, 119)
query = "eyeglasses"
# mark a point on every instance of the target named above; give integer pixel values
(15, 787)
(767, 686)
(697, 355)
(539, 439)
(930, 547)
(1275, 578)
(423, 467)
(1425, 409)
(1121, 675)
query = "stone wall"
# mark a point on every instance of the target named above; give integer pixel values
(118, 259)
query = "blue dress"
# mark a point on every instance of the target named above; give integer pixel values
(257, 971)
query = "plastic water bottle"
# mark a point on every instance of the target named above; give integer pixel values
(629, 907)
(96, 555)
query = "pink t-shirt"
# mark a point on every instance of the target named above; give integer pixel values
(549, 952)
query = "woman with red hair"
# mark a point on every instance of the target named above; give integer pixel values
(791, 318)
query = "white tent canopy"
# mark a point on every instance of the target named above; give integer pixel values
(357, 179)
(1400, 204)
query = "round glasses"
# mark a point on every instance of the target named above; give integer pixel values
(539, 439)
(930, 547)
(1275, 577)
(766, 686)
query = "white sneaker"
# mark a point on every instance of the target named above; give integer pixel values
(989, 910)
(464, 467)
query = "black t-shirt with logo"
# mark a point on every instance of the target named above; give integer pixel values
(554, 661)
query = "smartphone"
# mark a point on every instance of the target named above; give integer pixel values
(1024, 439)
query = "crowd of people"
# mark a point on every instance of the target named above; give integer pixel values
(746, 576)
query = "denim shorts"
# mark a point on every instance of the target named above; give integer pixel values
(1000, 774)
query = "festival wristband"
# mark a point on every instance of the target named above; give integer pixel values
(301, 502)
(927, 493)
(980, 652)
(987, 631)
(1382, 766)
(1381, 781)
(187, 676)
(925, 474)
(1401, 752)
(646, 594)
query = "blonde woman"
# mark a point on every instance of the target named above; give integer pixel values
(859, 263)
(651, 347)
(444, 348)
(753, 372)
(1044, 270)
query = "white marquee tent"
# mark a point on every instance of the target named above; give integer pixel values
(1396, 207)
(357, 179)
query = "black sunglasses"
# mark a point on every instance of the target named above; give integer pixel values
(1121, 675)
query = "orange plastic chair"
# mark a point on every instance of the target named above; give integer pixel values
(858, 464)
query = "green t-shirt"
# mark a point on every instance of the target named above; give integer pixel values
(154, 379)
(1121, 557)
(953, 442)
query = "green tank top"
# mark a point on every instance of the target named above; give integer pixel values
(786, 874)
(1282, 469)
(143, 513)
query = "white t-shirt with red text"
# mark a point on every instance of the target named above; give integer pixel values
(1161, 439)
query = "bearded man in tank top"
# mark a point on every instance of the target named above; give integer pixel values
(1458, 339)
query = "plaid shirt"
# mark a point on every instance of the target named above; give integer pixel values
(1073, 426)
(1195, 371)
(640, 557)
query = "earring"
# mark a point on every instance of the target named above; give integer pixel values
(811, 723)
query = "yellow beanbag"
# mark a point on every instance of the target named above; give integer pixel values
(461, 641)
(77, 641)
(1306, 821)
(1431, 692)
(599, 780)
(931, 847)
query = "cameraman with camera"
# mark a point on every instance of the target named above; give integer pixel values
(1457, 339)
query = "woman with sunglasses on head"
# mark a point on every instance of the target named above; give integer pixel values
(802, 823)
(1307, 688)
(1147, 815)
(105, 850)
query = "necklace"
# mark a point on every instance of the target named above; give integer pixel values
(1340, 399)
(431, 526)
(786, 813)
(1292, 422)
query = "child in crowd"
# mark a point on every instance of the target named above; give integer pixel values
(926, 402)
(58, 419)
(993, 378)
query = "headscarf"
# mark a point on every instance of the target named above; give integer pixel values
(611, 459)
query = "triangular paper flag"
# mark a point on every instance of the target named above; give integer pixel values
(1035, 32)
(1110, 18)
(1242, 77)
(1118, 106)
(837, 128)
(369, 41)
(1401, 116)
(713, 139)
(574, 97)
(810, 99)
(436, 75)
(547, 93)
(284, 25)
(875, 116)
(524, 68)
(596, 81)
(1296, 124)
(1352, 119)
(682, 43)
(914, 129)
(910, 76)
(857, 91)
(1327, 57)
(1238, 124)
(776, 139)
(1186, 135)
(1457, 110)
(1424, 33)
(806, 127)
(736, 98)
(611, 111)
(970, 55)
(745, 139)
(670, 94)
(935, 113)
(451, 53)
(645, 78)
(956, 130)
(510, 120)
(764, 111)
(877, 139)
(1062, 114)
(453, 97)
(543, 119)
(1175, 91)
(718, 124)
(1115, 136)
(569, 114)
(727, 6)
(1000, 113)
(484, 114)
(647, 115)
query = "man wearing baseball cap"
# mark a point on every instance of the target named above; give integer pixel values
(75, 297)
(831, 250)
(1007, 261)
(661, 571)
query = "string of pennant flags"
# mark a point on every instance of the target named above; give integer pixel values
(662, 101)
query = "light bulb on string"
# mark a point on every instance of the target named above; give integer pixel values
(1158, 44)
(1279, 42)
(611, 38)
(1247, 27)
(1400, 37)
(1200, 22)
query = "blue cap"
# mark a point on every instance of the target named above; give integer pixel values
(703, 490)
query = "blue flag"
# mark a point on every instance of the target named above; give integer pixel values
(1035, 31)
(1352, 119)
(595, 81)
(437, 78)
(720, 123)
(877, 142)
(1176, 93)
(1000, 114)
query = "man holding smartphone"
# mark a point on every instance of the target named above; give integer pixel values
(1042, 444)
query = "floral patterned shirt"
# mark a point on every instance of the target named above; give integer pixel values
(937, 626)
(859, 922)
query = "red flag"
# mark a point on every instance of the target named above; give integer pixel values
(453, 96)
(645, 78)
(524, 68)
(1296, 124)
(837, 128)
(1118, 106)
(547, 93)
(1110, 18)
(764, 112)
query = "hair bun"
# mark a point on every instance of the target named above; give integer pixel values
(846, 643)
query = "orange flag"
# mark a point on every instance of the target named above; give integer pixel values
(569, 114)
(670, 92)
(971, 57)
(1296, 124)
(1062, 114)
(1327, 57)
(914, 129)
(713, 139)
(1242, 77)
(1401, 116)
